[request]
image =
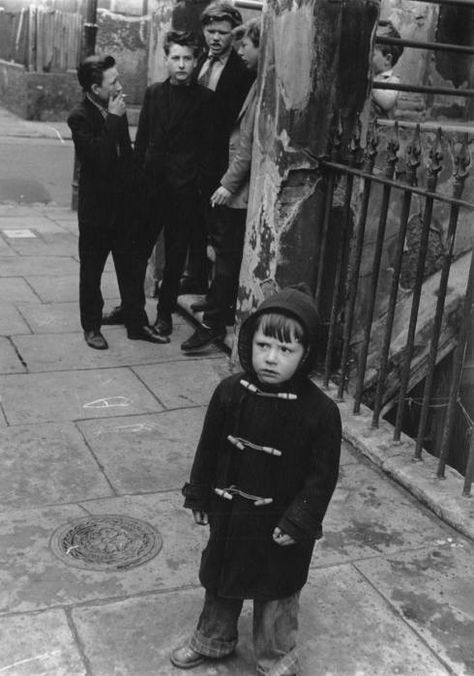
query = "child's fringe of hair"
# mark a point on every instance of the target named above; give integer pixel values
(283, 328)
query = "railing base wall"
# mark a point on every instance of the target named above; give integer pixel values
(442, 496)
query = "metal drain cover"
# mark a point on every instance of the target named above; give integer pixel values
(106, 542)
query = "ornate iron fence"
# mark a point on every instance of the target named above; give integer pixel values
(408, 197)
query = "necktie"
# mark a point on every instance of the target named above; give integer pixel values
(205, 78)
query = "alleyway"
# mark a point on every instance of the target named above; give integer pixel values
(84, 433)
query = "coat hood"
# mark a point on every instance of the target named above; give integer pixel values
(296, 302)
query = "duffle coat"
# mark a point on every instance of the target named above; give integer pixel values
(300, 428)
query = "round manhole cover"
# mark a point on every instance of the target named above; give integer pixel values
(106, 542)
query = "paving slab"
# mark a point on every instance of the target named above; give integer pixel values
(64, 288)
(50, 317)
(53, 352)
(16, 290)
(150, 453)
(9, 360)
(368, 517)
(50, 266)
(57, 212)
(36, 222)
(135, 636)
(345, 629)
(51, 397)
(433, 591)
(61, 244)
(185, 383)
(11, 321)
(10, 209)
(5, 250)
(61, 318)
(348, 456)
(33, 578)
(39, 644)
(67, 224)
(61, 468)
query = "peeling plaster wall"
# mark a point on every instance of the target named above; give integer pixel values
(314, 61)
(160, 22)
(126, 39)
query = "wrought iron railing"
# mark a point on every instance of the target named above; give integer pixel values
(350, 182)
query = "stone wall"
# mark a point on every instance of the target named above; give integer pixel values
(123, 32)
(12, 87)
(37, 96)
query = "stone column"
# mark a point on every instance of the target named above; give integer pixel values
(315, 64)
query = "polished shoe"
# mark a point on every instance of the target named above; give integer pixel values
(203, 337)
(188, 285)
(163, 325)
(201, 305)
(95, 339)
(186, 657)
(113, 317)
(148, 334)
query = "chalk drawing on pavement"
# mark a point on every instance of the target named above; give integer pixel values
(108, 402)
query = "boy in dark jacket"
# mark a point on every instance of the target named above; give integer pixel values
(262, 478)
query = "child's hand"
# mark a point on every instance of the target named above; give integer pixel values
(201, 518)
(282, 538)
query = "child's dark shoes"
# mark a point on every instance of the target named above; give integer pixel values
(186, 657)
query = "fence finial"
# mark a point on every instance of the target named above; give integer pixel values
(461, 164)
(412, 156)
(434, 161)
(393, 146)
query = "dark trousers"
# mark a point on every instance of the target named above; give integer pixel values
(176, 211)
(275, 625)
(198, 266)
(95, 244)
(227, 233)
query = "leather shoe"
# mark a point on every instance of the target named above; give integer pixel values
(203, 337)
(148, 334)
(201, 305)
(186, 657)
(163, 326)
(95, 339)
(113, 317)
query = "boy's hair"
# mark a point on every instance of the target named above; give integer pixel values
(283, 328)
(183, 38)
(221, 11)
(91, 70)
(386, 29)
(251, 30)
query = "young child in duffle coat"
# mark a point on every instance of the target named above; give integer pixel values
(264, 472)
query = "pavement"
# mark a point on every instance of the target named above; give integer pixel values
(94, 449)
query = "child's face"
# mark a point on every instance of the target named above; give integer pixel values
(381, 63)
(180, 63)
(275, 361)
